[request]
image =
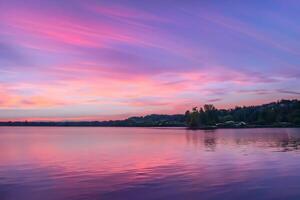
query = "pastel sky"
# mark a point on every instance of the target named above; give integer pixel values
(97, 60)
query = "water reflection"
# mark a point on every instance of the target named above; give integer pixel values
(276, 139)
(148, 163)
(206, 138)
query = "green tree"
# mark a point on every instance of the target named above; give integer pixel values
(210, 114)
(297, 121)
(193, 118)
(187, 116)
(195, 122)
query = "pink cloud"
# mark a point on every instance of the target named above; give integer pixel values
(66, 30)
(133, 60)
(84, 84)
(36, 30)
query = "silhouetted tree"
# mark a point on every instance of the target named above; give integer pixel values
(276, 113)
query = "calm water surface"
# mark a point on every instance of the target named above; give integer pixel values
(54, 163)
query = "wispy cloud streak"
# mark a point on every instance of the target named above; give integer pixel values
(104, 59)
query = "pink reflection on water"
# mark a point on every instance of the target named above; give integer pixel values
(74, 161)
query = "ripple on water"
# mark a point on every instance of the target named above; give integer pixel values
(141, 163)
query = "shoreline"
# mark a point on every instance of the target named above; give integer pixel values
(188, 128)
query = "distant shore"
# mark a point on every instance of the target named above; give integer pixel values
(103, 124)
(279, 114)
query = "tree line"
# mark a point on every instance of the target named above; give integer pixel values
(283, 112)
(276, 114)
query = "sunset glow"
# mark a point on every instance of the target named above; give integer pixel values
(99, 60)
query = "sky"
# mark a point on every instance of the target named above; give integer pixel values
(100, 60)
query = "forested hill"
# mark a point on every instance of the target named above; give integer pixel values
(153, 120)
(280, 113)
(284, 113)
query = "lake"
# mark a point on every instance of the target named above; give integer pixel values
(55, 163)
